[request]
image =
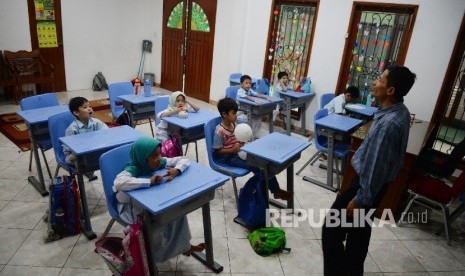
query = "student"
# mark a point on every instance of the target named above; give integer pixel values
(338, 103)
(376, 163)
(226, 146)
(248, 93)
(177, 103)
(174, 238)
(84, 122)
(283, 81)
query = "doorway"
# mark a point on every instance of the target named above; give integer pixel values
(47, 36)
(187, 46)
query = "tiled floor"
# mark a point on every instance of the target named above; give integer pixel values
(409, 250)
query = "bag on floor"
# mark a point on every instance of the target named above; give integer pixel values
(268, 240)
(251, 205)
(170, 147)
(125, 256)
(99, 83)
(123, 119)
(63, 213)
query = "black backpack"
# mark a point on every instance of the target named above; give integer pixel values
(99, 83)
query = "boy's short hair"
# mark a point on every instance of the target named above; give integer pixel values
(402, 79)
(227, 104)
(282, 74)
(353, 91)
(75, 103)
(245, 77)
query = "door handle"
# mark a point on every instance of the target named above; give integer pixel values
(182, 50)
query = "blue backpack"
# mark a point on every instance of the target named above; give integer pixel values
(251, 205)
(304, 85)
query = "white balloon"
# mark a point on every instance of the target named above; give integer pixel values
(243, 133)
(183, 114)
(242, 155)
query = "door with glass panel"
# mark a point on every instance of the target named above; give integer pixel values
(187, 46)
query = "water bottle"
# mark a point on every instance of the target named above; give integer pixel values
(147, 88)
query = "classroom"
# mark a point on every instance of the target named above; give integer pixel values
(332, 43)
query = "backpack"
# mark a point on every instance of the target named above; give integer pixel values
(99, 83)
(170, 147)
(123, 119)
(251, 205)
(304, 85)
(268, 240)
(125, 256)
(63, 213)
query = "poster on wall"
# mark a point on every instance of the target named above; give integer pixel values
(47, 34)
(44, 10)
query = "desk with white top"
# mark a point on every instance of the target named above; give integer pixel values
(272, 154)
(255, 110)
(88, 147)
(37, 124)
(292, 99)
(361, 111)
(333, 126)
(168, 201)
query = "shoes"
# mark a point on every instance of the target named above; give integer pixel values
(323, 157)
(284, 195)
(195, 248)
(91, 176)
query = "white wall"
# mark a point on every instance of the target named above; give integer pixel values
(106, 36)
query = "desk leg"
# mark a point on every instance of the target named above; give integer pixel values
(288, 116)
(131, 117)
(85, 219)
(208, 259)
(148, 238)
(270, 122)
(303, 118)
(39, 185)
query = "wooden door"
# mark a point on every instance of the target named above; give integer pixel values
(187, 52)
(46, 35)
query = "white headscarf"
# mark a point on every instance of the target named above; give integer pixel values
(173, 96)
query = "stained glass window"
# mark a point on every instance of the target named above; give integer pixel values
(199, 21)
(176, 16)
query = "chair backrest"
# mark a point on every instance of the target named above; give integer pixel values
(117, 89)
(235, 75)
(326, 98)
(111, 164)
(456, 155)
(57, 125)
(39, 101)
(320, 140)
(231, 92)
(209, 128)
(263, 86)
(458, 188)
(161, 103)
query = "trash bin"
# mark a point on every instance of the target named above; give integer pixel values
(150, 76)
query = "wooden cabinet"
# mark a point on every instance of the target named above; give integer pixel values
(392, 197)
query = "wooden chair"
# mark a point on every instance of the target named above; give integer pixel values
(30, 68)
(7, 76)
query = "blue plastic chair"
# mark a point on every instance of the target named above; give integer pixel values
(34, 102)
(161, 103)
(57, 125)
(321, 143)
(325, 99)
(263, 86)
(233, 76)
(231, 92)
(111, 164)
(232, 172)
(117, 89)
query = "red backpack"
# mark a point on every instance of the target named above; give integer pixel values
(170, 147)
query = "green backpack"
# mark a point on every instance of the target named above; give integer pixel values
(268, 240)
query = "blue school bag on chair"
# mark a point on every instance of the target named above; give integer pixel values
(251, 205)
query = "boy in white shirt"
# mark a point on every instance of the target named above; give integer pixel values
(337, 104)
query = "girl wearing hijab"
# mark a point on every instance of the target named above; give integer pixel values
(176, 104)
(174, 238)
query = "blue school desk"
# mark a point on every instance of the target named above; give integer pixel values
(37, 124)
(333, 126)
(272, 154)
(361, 111)
(292, 99)
(88, 147)
(139, 107)
(255, 110)
(168, 201)
(190, 129)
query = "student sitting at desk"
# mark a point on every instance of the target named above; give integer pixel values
(283, 82)
(177, 103)
(174, 238)
(248, 93)
(226, 146)
(337, 104)
(83, 123)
